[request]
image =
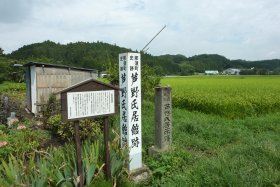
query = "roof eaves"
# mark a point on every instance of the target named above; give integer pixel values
(87, 81)
(57, 66)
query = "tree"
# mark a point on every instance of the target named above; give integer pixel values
(1, 52)
(149, 79)
(276, 71)
(187, 69)
(4, 66)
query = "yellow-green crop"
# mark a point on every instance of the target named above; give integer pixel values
(230, 96)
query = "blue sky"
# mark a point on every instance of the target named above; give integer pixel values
(236, 29)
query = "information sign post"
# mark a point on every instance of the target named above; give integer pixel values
(89, 99)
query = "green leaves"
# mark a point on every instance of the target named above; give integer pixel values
(149, 79)
(90, 160)
(11, 172)
(57, 167)
(89, 128)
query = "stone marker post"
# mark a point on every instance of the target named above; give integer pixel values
(163, 120)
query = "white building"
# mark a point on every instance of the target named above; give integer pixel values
(211, 72)
(103, 74)
(231, 71)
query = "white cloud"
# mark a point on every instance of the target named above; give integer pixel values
(240, 29)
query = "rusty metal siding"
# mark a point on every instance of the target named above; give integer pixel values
(79, 76)
(50, 80)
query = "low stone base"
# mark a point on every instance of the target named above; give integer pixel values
(155, 151)
(11, 121)
(141, 174)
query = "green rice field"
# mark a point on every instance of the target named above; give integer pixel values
(229, 136)
(228, 96)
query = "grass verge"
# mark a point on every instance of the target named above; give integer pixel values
(210, 150)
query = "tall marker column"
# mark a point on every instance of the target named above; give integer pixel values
(130, 107)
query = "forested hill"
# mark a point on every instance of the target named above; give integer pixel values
(99, 55)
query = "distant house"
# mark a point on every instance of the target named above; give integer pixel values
(231, 71)
(211, 72)
(43, 79)
(103, 74)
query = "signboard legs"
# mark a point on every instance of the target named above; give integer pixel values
(89, 99)
(78, 153)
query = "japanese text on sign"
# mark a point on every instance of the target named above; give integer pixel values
(91, 103)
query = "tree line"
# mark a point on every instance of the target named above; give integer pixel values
(101, 56)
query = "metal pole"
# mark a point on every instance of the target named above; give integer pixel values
(106, 149)
(79, 154)
(153, 38)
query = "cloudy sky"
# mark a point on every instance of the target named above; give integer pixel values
(236, 29)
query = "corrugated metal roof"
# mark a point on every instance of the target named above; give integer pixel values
(40, 64)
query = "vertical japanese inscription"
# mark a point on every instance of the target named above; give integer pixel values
(123, 99)
(166, 116)
(130, 102)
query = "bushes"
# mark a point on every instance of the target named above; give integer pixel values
(20, 142)
(57, 166)
(165, 165)
(11, 100)
(65, 130)
(23, 163)
(149, 79)
(89, 128)
(10, 73)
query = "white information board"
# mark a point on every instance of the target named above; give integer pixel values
(90, 103)
(130, 107)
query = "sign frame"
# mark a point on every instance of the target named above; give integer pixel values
(90, 85)
(90, 104)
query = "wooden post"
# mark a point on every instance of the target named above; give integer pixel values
(79, 154)
(106, 148)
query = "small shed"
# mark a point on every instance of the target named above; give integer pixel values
(43, 79)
